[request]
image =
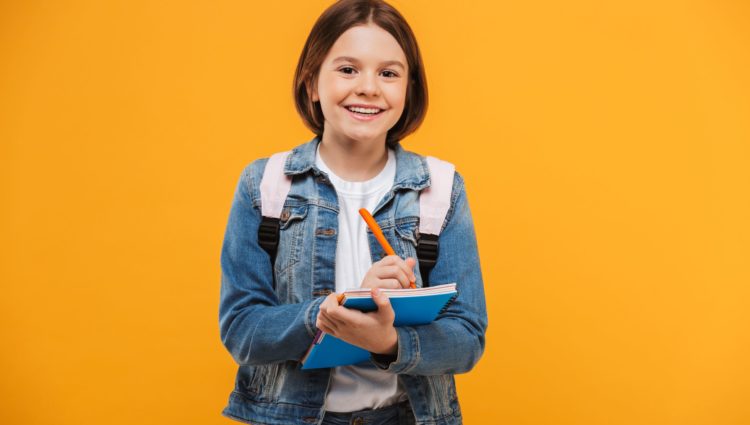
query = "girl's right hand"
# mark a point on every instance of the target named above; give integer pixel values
(392, 272)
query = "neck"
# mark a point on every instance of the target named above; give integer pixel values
(353, 160)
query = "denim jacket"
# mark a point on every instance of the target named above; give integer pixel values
(267, 324)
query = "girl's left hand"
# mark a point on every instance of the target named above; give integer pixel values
(372, 331)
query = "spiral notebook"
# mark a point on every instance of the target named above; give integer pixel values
(412, 307)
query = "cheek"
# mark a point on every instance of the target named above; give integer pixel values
(333, 89)
(397, 96)
(397, 102)
(330, 94)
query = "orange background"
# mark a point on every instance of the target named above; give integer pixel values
(605, 145)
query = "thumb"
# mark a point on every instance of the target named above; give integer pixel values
(382, 301)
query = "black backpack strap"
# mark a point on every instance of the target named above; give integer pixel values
(427, 254)
(268, 236)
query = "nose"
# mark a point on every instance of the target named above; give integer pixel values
(367, 84)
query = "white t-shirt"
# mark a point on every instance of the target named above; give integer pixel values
(358, 387)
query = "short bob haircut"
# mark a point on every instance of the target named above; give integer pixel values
(333, 22)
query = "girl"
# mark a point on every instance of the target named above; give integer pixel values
(360, 87)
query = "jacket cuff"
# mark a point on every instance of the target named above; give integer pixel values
(311, 315)
(408, 354)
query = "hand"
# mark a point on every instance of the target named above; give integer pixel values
(372, 331)
(391, 272)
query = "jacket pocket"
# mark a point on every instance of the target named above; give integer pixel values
(406, 241)
(291, 231)
(406, 230)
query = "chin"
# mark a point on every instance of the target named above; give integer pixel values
(367, 138)
(363, 137)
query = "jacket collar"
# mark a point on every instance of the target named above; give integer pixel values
(411, 169)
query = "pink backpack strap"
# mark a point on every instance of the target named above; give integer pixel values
(435, 200)
(274, 186)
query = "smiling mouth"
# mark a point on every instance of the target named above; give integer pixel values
(364, 112)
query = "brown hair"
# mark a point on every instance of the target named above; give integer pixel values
(333, 22)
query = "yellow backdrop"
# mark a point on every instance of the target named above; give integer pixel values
(605, 145)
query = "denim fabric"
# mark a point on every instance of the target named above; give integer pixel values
(267, 324)
(397, 414)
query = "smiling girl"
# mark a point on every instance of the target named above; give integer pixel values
(360, 87)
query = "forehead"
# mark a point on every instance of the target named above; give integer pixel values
(368, 44)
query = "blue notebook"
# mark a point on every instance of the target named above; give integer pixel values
(412, 307)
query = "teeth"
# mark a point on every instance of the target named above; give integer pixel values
(363, 110)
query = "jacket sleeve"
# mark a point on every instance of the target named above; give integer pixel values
(255, 328)
(454, 342)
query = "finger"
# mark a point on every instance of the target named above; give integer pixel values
(389, 260)
(323, 327)
(330, 304)
(400, 270)
(330, 301)
(329, 311)
(389, 284)
(382, 283)
(323, 324)
(393, 272)
(411, 263)
(347, 318)
(337, 316)
(327, 325)
(384, 304)
(401, 275)
(407, 270)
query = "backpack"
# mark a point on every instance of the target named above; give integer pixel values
(434, 202)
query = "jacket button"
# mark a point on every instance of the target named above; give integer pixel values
(325, 232)
(285, 215)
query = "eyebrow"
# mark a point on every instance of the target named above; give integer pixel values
(354, 60)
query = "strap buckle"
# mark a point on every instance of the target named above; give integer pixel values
(427, 251)
(268, 235)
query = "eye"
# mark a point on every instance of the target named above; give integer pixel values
(391, 73)
(344, 69)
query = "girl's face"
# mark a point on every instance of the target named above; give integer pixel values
(365, 68)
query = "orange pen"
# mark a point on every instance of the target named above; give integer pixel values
(373, 225)
(379, 235)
